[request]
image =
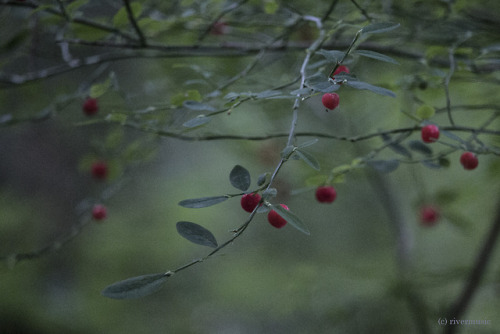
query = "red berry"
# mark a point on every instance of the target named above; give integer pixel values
(330, 100)
(326, 194)
(430, 133)
(275, 219)
(469, 160)
(99, 212)
(90, 106)
(341, 69)
(99, 170)
(250, 201)
(429, 215)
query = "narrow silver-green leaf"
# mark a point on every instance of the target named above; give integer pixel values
(197, 121)
(308, 143)
(420, 147)
(202, 202)
(196, 234)
(308, 159)
(377, 28)
(384, 166)
(240, 178)
(376, 55)
(331, 55)
(370, 87)
(195, 105)
(291, 218)
(136, 287)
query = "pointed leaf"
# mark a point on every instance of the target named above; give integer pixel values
(136, 287)
(196, 234)
(431, 164)
(452, 136)
(308, 143)
(308, 159)
(380, 27)
(195, 105)
(396, 147)
(240, 178)
(370, 87)
(202, 202)
(377, 56)
(291, 218)
(384, 166)
(332, 55)
(197, 121)
(420, 147)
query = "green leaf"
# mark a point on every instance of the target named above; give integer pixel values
(72, 7)
(262, 179)
(320, 83)
(366, 86)
(121, 17)
(384, 166)
(195, 105)
(240, 178)
(136, 287)
(291, 218)
(97, 90)
(191, 95)
(308, 159)
(267, 94)
(452, 136)
(202, 202)
(396, 147)
(271, 6)
(285, 153)
(431, 164)
(308, 143)
(380, 27)
(269, 193)
(376, 55)
(332, 55)
(197, 121)
(420, 147)
(196, 234)
(117, 117)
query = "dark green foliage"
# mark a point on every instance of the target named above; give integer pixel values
(240, 178)
(196, 234)
(136, 287)
(202, 202)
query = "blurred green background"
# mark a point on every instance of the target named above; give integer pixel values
(348, 276)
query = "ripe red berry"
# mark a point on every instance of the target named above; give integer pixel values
(90, 106)
(341, 69)
(469, 160)
(275, 219)
(430, 133)
(250, 201)
(99, 212)
(330, 100)
(99, 170)
(429, 215)
(326, 194)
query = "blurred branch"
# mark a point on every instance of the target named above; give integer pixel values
(479, 268)
(62, 13)
(134, 24)
(353, 139)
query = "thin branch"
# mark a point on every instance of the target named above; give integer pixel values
(224, 12)
(79, 20)
(134, 24)
(352, 139)
(476, 274)
(362, 10)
